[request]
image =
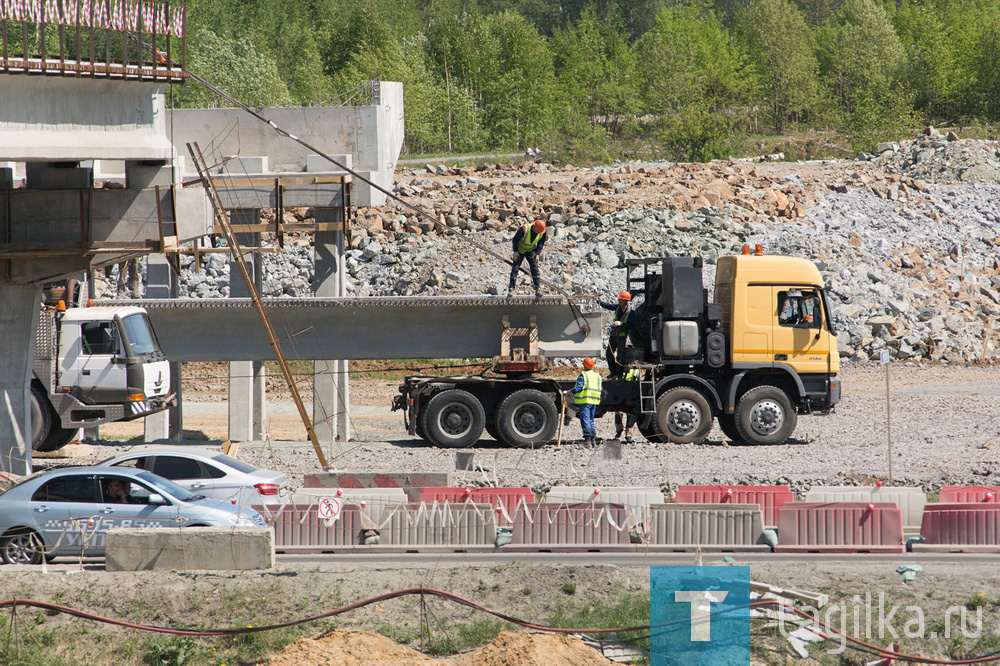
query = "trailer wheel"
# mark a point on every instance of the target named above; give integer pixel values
(683, 415)
(647, 428)
(46, 435)
(454, 419)
(727, 422)
(527, 417)
(764, 415)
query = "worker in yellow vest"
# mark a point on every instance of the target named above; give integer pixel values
(630, 419)
(527, 244)
(587, 396)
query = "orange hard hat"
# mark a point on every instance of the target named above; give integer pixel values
(624, 296)
(539, 226)
(588, 363)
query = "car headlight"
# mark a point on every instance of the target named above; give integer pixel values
(242, 521)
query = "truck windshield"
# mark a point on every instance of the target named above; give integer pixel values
(140, 335)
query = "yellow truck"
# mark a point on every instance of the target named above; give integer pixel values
(759, 354)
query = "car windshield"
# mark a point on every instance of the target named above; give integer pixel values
(140, 335)
(168, 487)
(238, 465)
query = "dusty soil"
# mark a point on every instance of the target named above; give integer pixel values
(533, 592)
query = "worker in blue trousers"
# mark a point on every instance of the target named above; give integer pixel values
(587, 396)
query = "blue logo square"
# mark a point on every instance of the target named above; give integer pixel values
(700, 615)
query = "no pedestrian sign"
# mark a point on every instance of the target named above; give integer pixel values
(329, 508)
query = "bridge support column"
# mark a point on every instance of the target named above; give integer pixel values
(161, 282)
(18, 327)
(247, 388)
(331, 379)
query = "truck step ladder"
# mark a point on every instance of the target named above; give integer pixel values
(647, 388)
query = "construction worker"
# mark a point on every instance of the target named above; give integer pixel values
(527, 244)
(623, 323)
(630, 419)
(586, 396)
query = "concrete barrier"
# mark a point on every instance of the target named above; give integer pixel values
(458, 527)
(952, 494)
(193, 548)
(909, 499)
(505, 499)
(561, 527)
(300, 528)
(770, 498)
(711, 527)
(373, 502)
(636, 500)
(411, 482)
(840, 527)
(961, 527)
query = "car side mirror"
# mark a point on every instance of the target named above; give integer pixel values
(156, 498)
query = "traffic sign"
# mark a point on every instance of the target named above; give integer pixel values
(883, 357)
(329, 508)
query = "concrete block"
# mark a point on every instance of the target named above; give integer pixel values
(68, 451)
(201, 548)
(317, 163)
(410, 482)
(147, 173)
(240, 166)
(58, 176)
(364, 194)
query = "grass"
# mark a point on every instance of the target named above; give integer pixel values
(627, 609)
(461, 637)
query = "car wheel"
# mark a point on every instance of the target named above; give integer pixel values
(22, 546)
(527, 417)
(683, 415)
(454, 419)
(764, 415)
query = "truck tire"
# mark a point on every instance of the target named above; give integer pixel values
(727, 422)
(764, 415)
(683, 415)
(527, 417)
(454, 419)
(46, 435)
(491, 430)
(647, 428)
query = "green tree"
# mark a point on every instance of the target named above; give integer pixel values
(861, 60)
(236, 67)
(786, 68)
(931, 58)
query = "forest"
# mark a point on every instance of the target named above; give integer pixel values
(598, 79)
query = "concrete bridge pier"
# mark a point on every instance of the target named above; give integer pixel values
(18, 327)
(161, 282)
(247, 380)
(331, 379)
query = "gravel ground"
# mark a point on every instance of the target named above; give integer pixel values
(945, 430)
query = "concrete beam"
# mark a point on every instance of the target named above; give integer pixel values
(18, 326)
(62, 118)
(331, 379)
(387, 327)
(193, 549)
(247, 380)
(169, 424)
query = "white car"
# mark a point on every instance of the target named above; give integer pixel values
(209, 473)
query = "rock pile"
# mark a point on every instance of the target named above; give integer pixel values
(941, 159)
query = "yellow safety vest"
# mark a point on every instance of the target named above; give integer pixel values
(632, 376)
(591, 392)
(528, 242)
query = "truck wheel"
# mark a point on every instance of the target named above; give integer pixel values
(22, 546)
(764, 415)
(728, 424)
(491, 430)
(527, 417)
(647, 427)
(46, 435)
(683, 415)
(454, 419)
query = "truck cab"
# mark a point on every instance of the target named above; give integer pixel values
(94, 365)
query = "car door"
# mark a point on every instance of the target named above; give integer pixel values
(134, 510)
(798, 329)
(186, 472)
(64, 510)
(102, 371)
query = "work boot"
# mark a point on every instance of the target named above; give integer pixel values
(618, 434)
(538, 293)
(628, 436)
(510, 292)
